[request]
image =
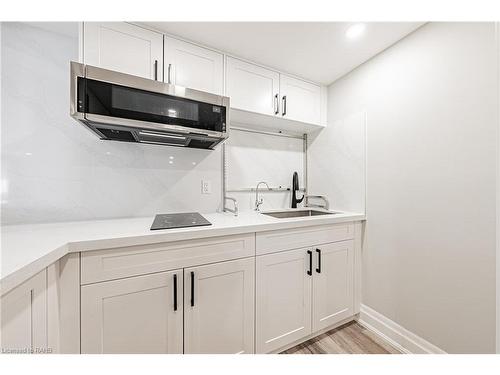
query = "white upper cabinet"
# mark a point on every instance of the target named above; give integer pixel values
(259, 97)
(252, 88)
(219, 308)
(192, 66)
(125, 48)
(265, 98)
(300, 100)
(141, 314)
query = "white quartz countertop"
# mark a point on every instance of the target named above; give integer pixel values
(28, 249)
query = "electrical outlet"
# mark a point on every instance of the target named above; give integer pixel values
(206, 187)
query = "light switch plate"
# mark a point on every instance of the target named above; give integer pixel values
(206, 187)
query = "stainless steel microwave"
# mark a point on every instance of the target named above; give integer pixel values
(122, 107)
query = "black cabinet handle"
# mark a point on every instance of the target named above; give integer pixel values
(284, 106)
(156, 70)
(192, 288)
(310, 272)
(169, 69)
(318, 270)
(276, 104)
(175, 292)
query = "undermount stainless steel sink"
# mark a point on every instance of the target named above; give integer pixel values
(297, 213)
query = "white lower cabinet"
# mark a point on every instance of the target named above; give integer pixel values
(219, 307)
(211, 295)
(203, 309)
(141, 314)
(300, 292)
(332, 299)
(283, 299)
(24, 317)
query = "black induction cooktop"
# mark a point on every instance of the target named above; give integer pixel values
(179, 220)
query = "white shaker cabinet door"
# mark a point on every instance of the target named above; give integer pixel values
(123, 47)
(333, 296)
(192, 66)
(24, 317)
(133, 315)
(300, 100)
(219, 308)
(283, 299)
(251, 87)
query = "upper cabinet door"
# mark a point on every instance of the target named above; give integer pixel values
(333, 296)
(24, 316)
(125, 48)
(141, 314)
(219, 308)
(283, 299)
(300, 100)
(194, 67)
(252, 88)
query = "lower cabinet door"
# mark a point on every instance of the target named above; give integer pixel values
(283, 299)
(24, 317)
(140, 314)
(333, 298)
(219, 307)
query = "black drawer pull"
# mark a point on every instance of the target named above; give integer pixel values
(310, 272)
(175, 292)
(192, 288)
(318, 270)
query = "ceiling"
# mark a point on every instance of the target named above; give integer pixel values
(317, 51)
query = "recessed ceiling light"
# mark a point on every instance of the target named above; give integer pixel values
(355, 31)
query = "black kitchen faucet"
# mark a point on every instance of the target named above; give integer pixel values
(295, 187)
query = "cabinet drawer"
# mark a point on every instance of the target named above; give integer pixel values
(279, 240)
(111, 264)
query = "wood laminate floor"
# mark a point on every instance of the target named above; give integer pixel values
(350, 338)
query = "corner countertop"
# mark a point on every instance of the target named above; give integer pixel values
(28, 249)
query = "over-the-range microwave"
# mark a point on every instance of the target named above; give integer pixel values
(123, 107)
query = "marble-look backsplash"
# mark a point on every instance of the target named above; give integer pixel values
(252, 158)
(53, 169)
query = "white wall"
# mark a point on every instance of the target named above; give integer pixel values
(429, 247)
(53, 169)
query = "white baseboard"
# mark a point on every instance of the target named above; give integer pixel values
(399, 337)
